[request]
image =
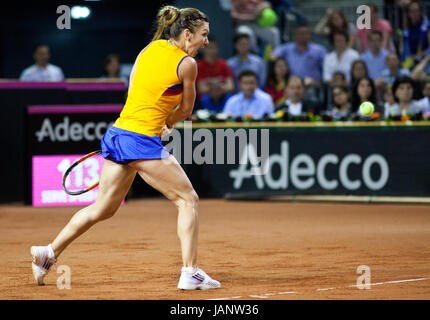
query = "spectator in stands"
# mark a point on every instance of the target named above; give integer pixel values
(250, 101)
(245, 60)
(216, 97)
(42, 70)
(403, 91)
(213, 71)
(395, 11)
(377, 24)
(341, 109)
(374, 57)
(284, 7)
(389, 101)
(414, 40)
(422, 69)
(364, 90)
(426, 93)
(335, 21)
(277, 79)
(358, 70)
(392, 70)
(296, 104)
(112, 68)
(245, 14)
(339, 79)
(341, 58)
(304, 57)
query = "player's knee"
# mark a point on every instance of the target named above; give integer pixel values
(103, 213)
(194, 198)
(191, 199)
(187, 200)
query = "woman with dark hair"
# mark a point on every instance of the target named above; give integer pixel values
(335, 21)
(112, 68)
(277, 79)
(414, 41)
(403, 92)
(358, 70)
(162, 92)
(341, 109)
(364, 90)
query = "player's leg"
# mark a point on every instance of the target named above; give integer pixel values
(168, 177)
(115, 181)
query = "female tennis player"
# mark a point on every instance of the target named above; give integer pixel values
(163, 76)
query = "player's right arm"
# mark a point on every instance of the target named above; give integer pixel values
(187, 75)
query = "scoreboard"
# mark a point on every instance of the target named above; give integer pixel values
(47, 175)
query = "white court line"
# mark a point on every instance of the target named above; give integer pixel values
(266, 295)
(236, 297)
(287, 292)
(324, 289)
(388, 282)
(408, 280)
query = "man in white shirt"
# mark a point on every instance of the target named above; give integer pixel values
(42, 70)
(341, 58)
(250, 101)
(296, 103)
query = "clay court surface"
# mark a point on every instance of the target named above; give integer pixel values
(258, 250)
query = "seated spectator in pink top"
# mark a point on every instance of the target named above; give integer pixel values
(212, 69)
(377, 24)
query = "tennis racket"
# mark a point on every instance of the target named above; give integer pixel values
(70, 169)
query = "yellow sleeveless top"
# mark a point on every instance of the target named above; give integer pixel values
(154, 91)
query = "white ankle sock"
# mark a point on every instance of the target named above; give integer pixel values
(190, 270)
(50, 252)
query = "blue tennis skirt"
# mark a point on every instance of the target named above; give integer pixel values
(123, 146)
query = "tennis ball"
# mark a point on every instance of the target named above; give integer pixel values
(268, 18)
(367, 108)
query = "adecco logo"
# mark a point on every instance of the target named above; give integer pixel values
(75, 131)
(303, 171)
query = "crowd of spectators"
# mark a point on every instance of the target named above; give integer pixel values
(302, 79)
(305, 79)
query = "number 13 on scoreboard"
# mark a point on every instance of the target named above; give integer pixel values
(84, 175)
(47, 176)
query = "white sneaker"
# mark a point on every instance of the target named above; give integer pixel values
(43, 259)
(196, 279)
